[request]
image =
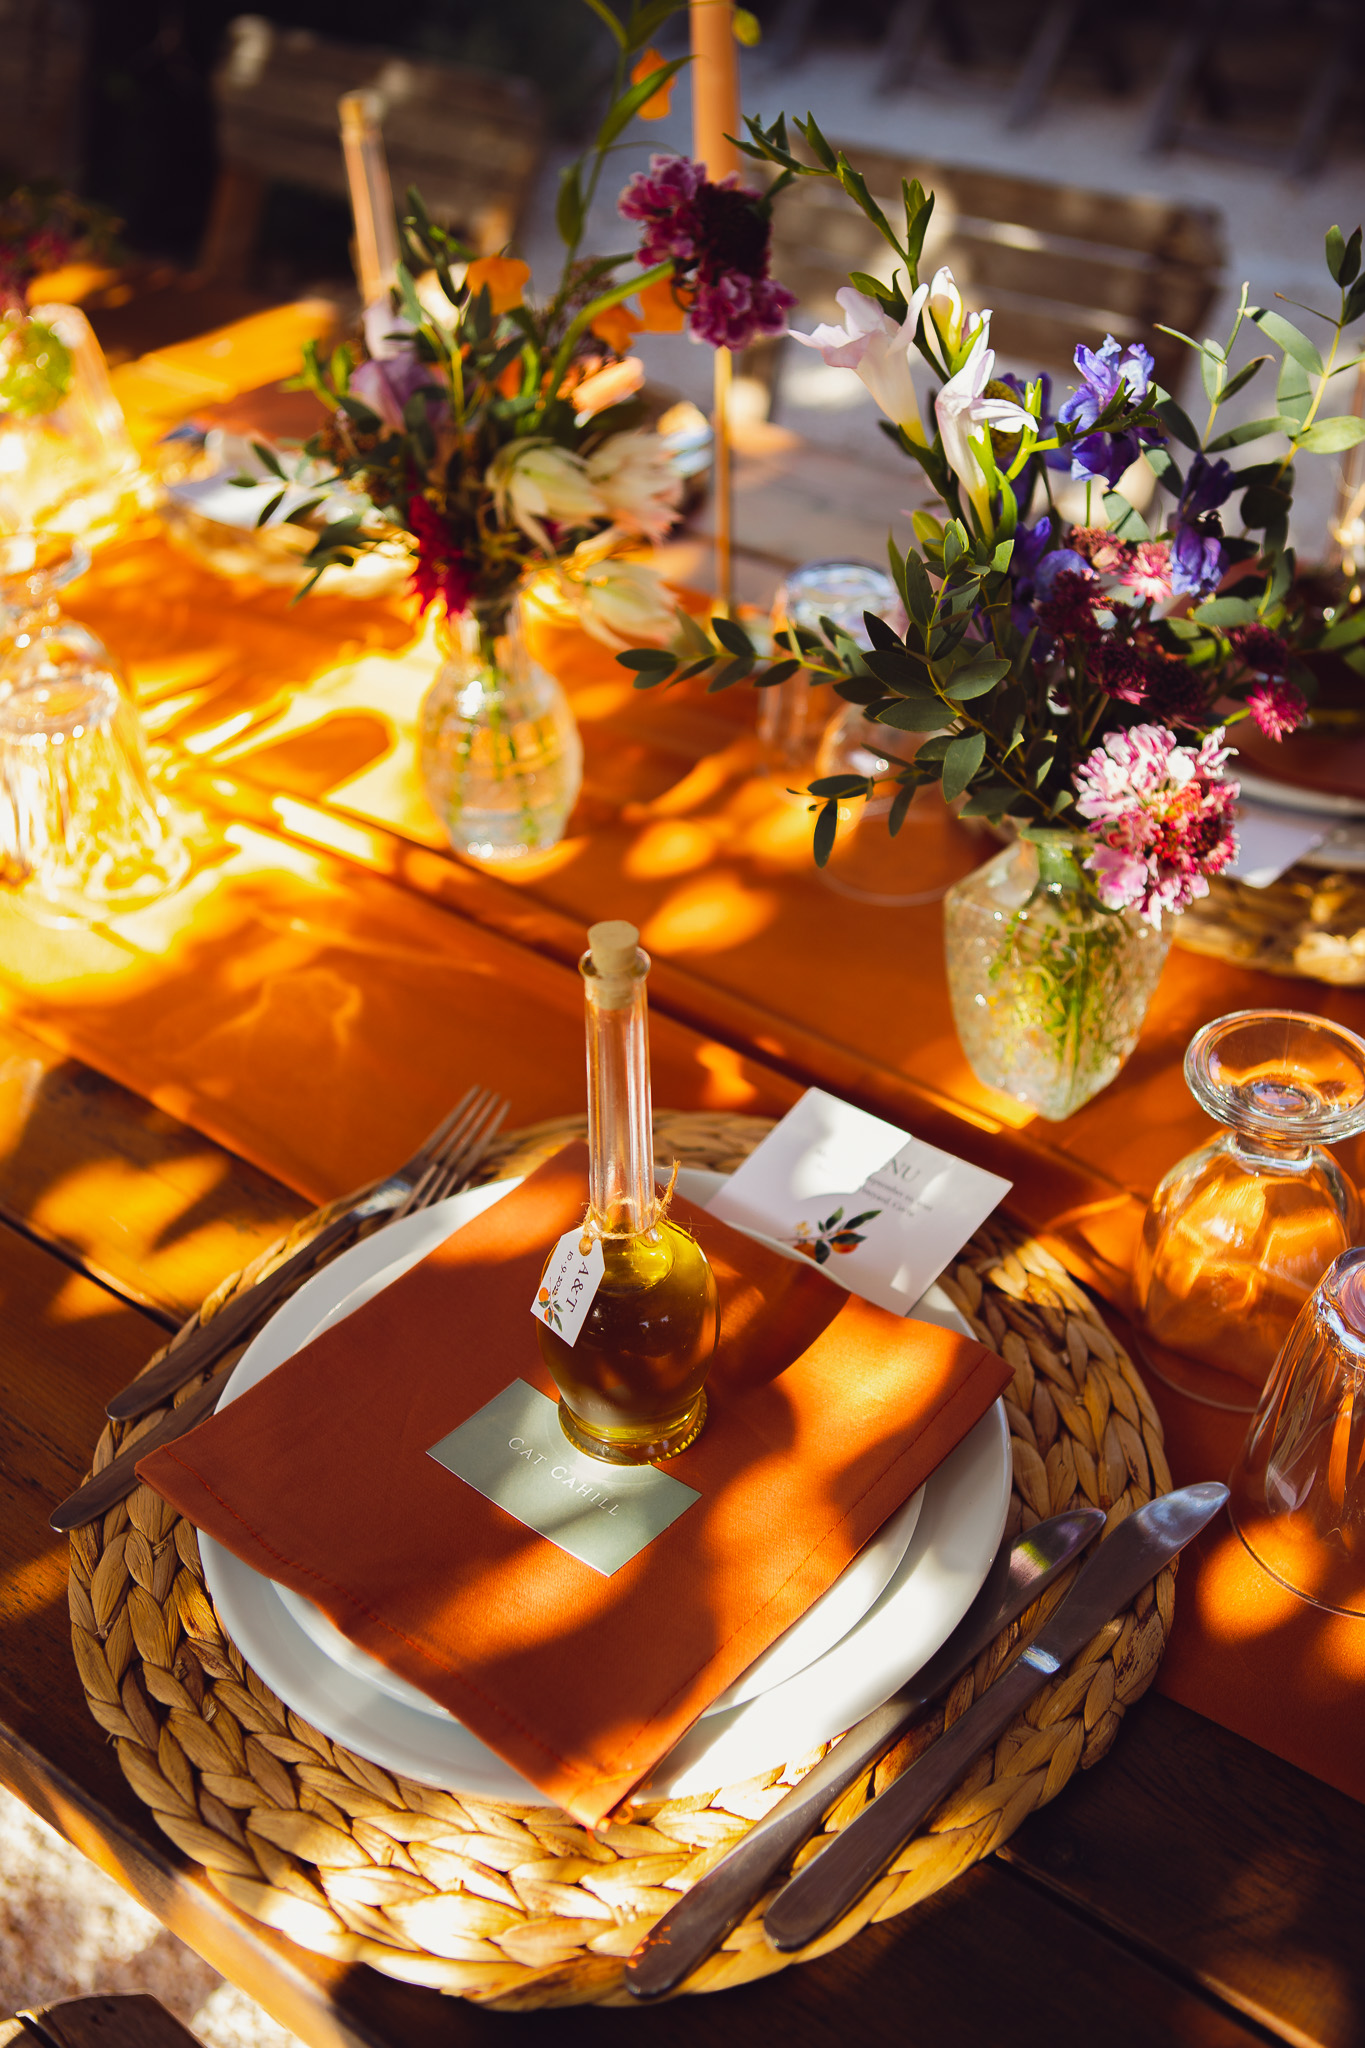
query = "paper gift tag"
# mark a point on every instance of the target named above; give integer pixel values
(569, 1283)
(881, 1211)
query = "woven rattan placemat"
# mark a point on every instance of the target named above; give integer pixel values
(517, 1906)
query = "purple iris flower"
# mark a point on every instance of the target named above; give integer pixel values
(1104, 372)
(395, 370)
(1197, 530)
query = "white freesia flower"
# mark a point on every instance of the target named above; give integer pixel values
(533, 480)
(878, 349)
(635, 476)
(956, 328)
(965, 419)
(620, 603)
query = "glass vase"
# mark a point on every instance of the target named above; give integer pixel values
(501, 758)
(1049, 989)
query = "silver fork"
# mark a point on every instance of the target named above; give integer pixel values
(451, 1165)
(453, 1149)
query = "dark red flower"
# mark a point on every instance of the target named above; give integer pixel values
(442, 573)
(1261, 649)
(1068, 610)
(719, 237)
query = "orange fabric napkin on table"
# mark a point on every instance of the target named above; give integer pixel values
(826, 1413)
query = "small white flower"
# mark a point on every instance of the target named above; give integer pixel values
(965, 419)
(534, 480)
(956, 329)
(635, 476)
(878, 349)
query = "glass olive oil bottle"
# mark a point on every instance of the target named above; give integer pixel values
(632, 1385)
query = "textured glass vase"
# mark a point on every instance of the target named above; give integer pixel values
(500, 753)
(1049, 989)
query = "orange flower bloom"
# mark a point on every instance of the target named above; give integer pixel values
(656, 106)
(510, 379)
(616, 327)
(663, 310)
(505, 276)
(611, 386)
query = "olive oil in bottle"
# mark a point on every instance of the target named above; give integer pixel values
(632, 1385)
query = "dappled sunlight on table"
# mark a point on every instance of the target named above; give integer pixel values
(710, 916)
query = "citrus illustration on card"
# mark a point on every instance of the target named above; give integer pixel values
(833, 1235)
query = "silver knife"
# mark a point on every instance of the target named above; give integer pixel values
(702, 1918)
(837, 1878)
(211, 1339)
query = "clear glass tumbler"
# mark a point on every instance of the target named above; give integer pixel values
(1240, 1233)
(82, 834)
(792, 716)
(1298, 1488)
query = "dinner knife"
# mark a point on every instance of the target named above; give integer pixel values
(716, 1904)
(119, 1476)
(1128, 1560)
(211, 1339)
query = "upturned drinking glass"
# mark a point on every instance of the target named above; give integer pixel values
(1240, 1233)
(82, 833)
(792, 716)
(1298, 1488)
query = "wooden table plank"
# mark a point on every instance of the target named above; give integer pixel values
(1241, 1871)
(133, 1195)
(970, 1965)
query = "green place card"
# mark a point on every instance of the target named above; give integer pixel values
(515, 1454)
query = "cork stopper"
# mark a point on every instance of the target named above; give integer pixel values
(614, 948)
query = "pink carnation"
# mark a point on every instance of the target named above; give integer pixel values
(1148, 573)
(1278, 708)
(1160, 816)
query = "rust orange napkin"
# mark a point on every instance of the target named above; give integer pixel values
(825, 1414)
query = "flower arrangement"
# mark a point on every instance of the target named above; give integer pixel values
(503, 433)
(41, 228)
(1070, 675)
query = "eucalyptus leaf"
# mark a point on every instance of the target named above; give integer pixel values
(900, 804)
(976, 679)
(920, 713)
(961, 762)
(1331, 436)
(1252, 430)
(733, 638)
(1125, 519)
(1288, 337)
(826, 825)
(1226, 611)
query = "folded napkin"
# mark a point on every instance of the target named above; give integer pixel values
(825, 1414)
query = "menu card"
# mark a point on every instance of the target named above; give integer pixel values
(882, 1212)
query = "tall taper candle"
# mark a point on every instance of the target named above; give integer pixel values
(715, 115)
(367, 174)
(715, 85)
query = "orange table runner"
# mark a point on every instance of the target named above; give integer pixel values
(313, 1015)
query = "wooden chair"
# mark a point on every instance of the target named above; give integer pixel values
(135, 2021)
(1058, 265)
(470, 140)
(43, 48)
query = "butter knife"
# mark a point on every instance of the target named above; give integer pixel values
(716, 1904)
(836, 1879)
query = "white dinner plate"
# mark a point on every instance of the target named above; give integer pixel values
(868, 1633)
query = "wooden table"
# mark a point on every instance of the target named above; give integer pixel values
(1193, 1889)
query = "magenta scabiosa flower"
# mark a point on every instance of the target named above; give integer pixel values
(719, 237)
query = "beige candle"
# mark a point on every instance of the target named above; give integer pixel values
(367, 175)
(715, 85)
